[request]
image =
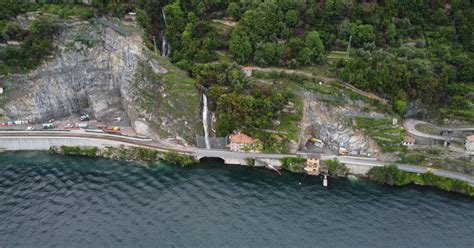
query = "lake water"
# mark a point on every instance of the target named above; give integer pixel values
(58, 201)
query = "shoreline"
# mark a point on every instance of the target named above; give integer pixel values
(163, 158)
(393, 175)
(118, 148)
(44, 140)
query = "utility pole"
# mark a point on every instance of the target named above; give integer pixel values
(349, 46)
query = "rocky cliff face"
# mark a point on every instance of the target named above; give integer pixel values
(326, 122)
(98, 70)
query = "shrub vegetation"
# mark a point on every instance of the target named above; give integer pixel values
(178, 159)
(391, 175)
(77, 150)
(293, 164)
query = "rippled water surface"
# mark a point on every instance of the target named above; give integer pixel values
(60, 201)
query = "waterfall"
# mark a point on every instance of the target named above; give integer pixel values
(165, 47)
(205, 123)
(164, 44)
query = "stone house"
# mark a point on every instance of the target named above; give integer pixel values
(243, 143)
(247, 70)
(312, 165)
(130, 17)
(408, 141)
(470, 144)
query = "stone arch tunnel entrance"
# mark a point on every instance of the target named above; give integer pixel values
(211, 160)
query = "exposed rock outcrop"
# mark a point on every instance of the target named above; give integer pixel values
(326, 122)
(97, 70)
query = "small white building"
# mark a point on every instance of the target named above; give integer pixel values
(131, 16)
(408, 141)
(14, 43)
(470, 144)
(247, 70)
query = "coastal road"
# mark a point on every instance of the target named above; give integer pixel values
(406, 167)
(410, 127)
(67, 136)
(444, 128)
(100, 139)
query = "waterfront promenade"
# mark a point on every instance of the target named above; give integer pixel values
(43, 140)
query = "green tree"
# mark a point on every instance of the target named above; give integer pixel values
(458, 102)
(293, 64)
(361, 34)
(175, 25)
(305, 56)
(237, 79)
(11, 8)
(266, 54)
(384, 175)
(233, 10)
(291, 18)
(142, 18)
(400, 106)
(224, 125)
(295, 44)
(240, 46)
(391, 34)
(314, 42)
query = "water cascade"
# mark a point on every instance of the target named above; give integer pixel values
(205, 123)
(165, 47)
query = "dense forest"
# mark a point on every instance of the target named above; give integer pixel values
(402, 50)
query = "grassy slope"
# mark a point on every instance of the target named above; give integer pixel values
(388, 137)
(330, 92)
(179, 101)
(465, 113)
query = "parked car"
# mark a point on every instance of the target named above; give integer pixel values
(82, 125)
(30, 128)
(84, 117)
(47, 125)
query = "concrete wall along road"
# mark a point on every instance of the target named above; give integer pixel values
(44, 143)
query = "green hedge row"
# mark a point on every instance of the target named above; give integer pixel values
(391, 175)
(76, 150)
(178, 159)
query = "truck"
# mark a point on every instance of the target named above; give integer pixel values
(112, 130)
(342, 151)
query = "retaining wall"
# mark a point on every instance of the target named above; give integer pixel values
(43, 143)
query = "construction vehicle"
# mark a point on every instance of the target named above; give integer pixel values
(317, 142)
(342, 151)
(111, 130)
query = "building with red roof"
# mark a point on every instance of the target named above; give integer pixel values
(243, 143)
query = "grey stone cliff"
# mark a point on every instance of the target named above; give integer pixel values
(94, 71)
